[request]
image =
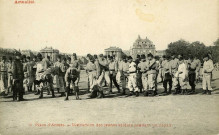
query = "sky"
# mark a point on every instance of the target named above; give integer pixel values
(90, 26)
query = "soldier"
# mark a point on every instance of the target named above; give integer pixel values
(174, 63)
(123, 69)
(18, 76)
(132, 84)
(167, 78)
(104, 74)
(3, 75)
(152, 72)
(181, 75)
(113, 68)
(143, 69)
(139, 81)
(91, 70)
(72, 75)
(28, 68)
(192, 74)
(208, 67)
(197, 71)
(10, 78)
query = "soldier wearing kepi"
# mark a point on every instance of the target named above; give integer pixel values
(208, 67)
(132, 79)
(152, 71)
(104, 75)
(143, 70)
(113, 68)
(123, 69)
(3, 75)
(167, 78)
(192, 74)
(174, 63)
(72, 75)
(18, 76)
(139, 82)
(10, 78)
(181, 75)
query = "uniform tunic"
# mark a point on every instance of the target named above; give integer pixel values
(143, 66)
(123, 70)
(208, 67)
(132, 81)
(3, 76)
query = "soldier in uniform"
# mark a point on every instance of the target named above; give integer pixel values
(113, 68)
(18, 76)
(10, 78)
(123, 69)
(181, 75)
(3, 75)
(192, 74)
(28, 68)
(174, 63)
(152, 72)
(91, 70)
(104, 74)
(142, 66)
(197, 71)
(167, 78)
(72, 75)
(208, 67)
(139, 81)
(132, 79)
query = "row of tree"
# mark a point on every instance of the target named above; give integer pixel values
(195, 49)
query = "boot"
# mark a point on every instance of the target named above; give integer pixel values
(93, 94)
(123, 92)
(37, 93)
(41, 94)
(209, 92)
(182, 92)
(131, 93)
(77, 96)
(145, 93)
(53, 94)
(204, 92)
(176, 92)
(100, 94)
(153, 93)
(170, 91)
(165, 91)
(137, 93)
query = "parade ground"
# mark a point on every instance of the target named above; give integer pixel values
(173, 114)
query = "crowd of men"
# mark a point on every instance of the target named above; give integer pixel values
(140, 75)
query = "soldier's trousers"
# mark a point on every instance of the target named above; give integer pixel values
(167, 80)
(104, 77)
(92, 76)
(144, 79)
(151, 82)
(3, 82)
(18, 89)
(74, 82)
(139, 81)
(123, 78)
(113, 80)
(10, 79)
(206, 81)
(192, 79)
(132, 82)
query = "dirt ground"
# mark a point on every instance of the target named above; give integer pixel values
(181, 114)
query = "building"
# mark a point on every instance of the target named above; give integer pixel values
(49, 51)
(142, 46)
(114, 51)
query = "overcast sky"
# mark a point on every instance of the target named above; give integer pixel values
(90, 26)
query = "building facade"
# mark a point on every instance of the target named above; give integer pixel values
(142, 46)
(114, 51)
(49, 51)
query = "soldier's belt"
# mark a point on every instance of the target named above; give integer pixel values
(91, 70)
(112, 70)
(3, 71)
(132, 72)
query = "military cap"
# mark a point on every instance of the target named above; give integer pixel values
(3, 57)
(95, 56)
(124, 57)
(16, 53)
(88, 55)
(28, 57)
(64, 59)
(68, 58)
(164, 56)
(206, 55)
(150, 55)
(39, 55)
(142, 56)
(129, 57)
(59, 56)
(10, 58)
(74, 54)
(101, 55)
(138, 56)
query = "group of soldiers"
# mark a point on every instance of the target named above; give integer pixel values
(139, 75)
